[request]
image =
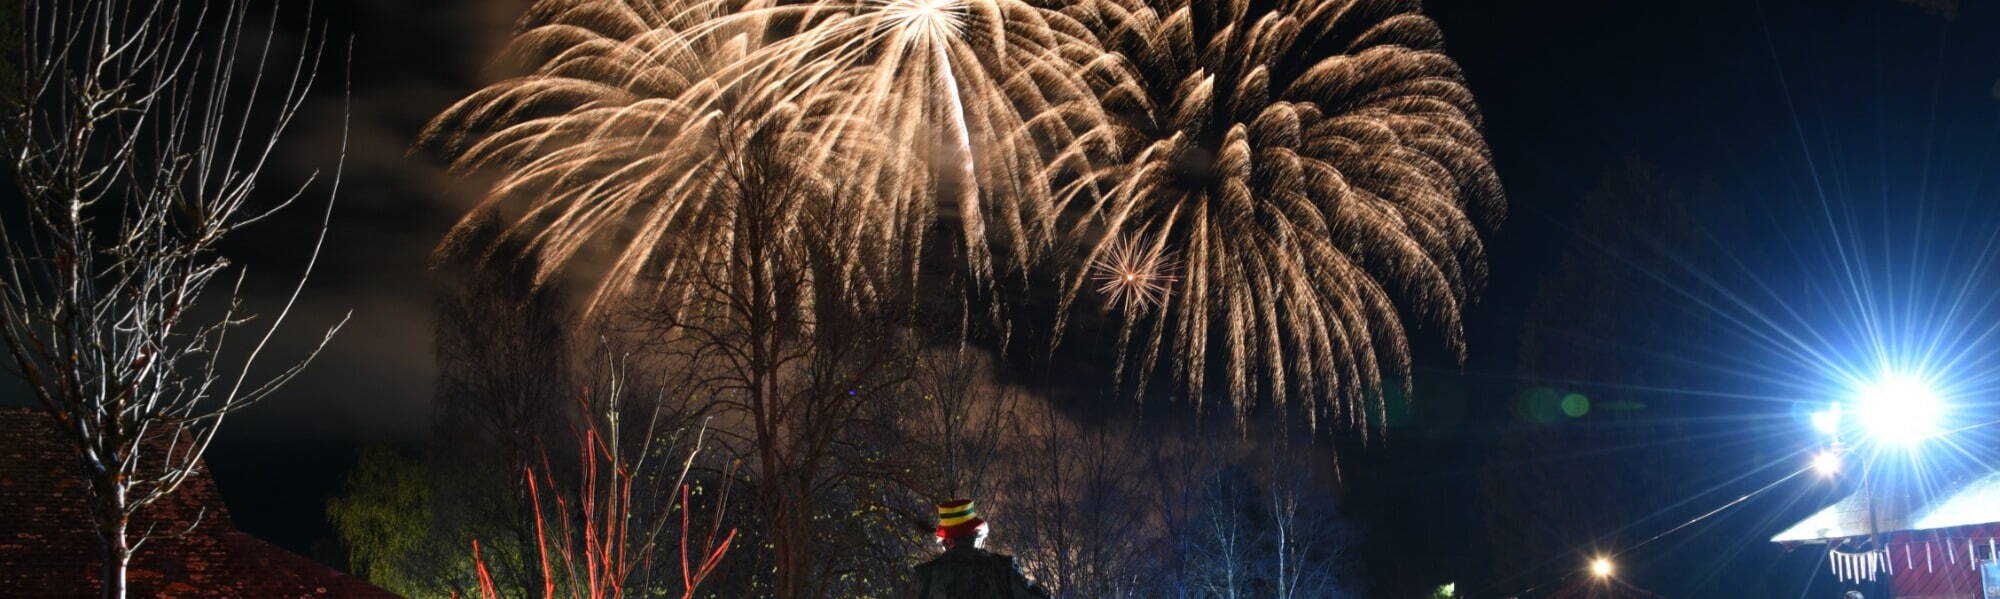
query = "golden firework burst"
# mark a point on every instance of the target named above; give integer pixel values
(1311, 172)
(1134, 274)
(932, 111)
(1318, 167)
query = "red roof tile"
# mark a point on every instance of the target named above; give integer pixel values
(48, 547)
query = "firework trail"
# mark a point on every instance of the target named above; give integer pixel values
(1311, 162)
(1308, 164)
(910, 100)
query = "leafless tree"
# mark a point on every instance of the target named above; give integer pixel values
(504, 365)
(505, 374)
(1074, 506)
(959, 422)
(792, 343)
(138, 142)
(1263, 527)
(610, 531)
(1105, 511)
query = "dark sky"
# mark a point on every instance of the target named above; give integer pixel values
(1769, 133)
(1776, 137)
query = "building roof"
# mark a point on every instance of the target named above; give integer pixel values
(1970, 500)
(48, 547)
(1977, 502)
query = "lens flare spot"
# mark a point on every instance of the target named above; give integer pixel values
(1575, 405)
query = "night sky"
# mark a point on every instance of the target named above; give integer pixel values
(1684, 179)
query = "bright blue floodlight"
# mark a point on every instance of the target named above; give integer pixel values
(1827, 464)
(1898, 409)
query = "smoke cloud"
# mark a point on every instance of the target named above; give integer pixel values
(387, 68)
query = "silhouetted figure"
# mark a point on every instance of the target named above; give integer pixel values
(966, 571)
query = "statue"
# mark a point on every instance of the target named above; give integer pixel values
(967, 570)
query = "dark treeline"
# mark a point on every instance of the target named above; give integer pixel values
(810, 432)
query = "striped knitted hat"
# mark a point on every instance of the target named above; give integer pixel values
(957, 520)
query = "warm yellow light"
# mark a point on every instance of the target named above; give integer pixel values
(1601, 567)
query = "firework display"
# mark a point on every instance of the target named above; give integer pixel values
(1284, 181)
(1312, 162)
(908, 101)
(1134, 274)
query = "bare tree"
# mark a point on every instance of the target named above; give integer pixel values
(627, 513)
(505, 372)
(503, 360)
(1105, 511)
(136, 157)
(958, 423)
(1074, 507)
(787, 322)
(1265, 528)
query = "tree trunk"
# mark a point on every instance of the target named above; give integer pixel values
(117, 552)
(789, 574)
(787, 520)
(109, 503)
(795, 554)
(115, 559)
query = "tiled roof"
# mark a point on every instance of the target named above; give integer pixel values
(1969, 499)
(48, 547)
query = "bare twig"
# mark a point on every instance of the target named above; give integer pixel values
(137, 152)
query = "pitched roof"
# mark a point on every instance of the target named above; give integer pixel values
(1967, 501)
(48, 547)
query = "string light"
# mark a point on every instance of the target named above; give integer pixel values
(1601, 567)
